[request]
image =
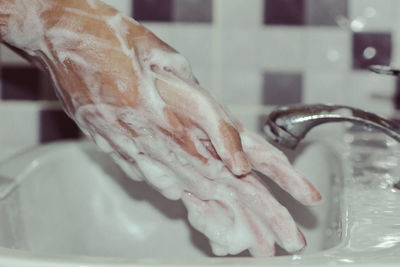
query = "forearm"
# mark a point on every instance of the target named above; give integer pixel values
(86, 46)
(138, 99)
(25, 21)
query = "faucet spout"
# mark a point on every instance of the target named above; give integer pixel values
(288, 125)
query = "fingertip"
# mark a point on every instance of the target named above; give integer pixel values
(302, 244)
(314, 197)
(302, 238)
(240, 164)
(231, 150)
(296, 244)
(263, 252)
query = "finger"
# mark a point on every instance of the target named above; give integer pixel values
(272, 213)
(160, 177)
(181, 135)
(135, 164)
(199, 107)
(210, 220)
(223, 224)
(273, 163)
(220, 213)
(264, 240)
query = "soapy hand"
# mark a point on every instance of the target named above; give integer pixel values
(138, 99)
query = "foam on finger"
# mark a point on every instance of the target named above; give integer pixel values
(189, 98)
(117, 79)
(274, 164)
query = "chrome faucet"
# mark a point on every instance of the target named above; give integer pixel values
(288, 125)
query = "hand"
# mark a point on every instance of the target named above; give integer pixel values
(138, 99)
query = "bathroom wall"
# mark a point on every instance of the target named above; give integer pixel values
(250, 54)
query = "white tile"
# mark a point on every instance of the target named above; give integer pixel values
(10, 150)
(252, 121)
(371, 92)
(164, 31)
(124, 6)
(372, 15)
(20, 124)
(268, 48)
(252, 117)
(240, 49)
(396, 48)
(242, 87)
(240, 13)
(280, 48)
(363, 90)
(194, 41)
(205, 76)
(10, 57)
(396, 38)
(325, 87)
(328, 48)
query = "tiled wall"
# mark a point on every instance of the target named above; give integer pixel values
(248, 53)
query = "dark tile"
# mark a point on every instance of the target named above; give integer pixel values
(56, 125)
(193, 10)
(153, 10)
(325, 12)
(282, 88)
(20, 83)
(396, 97)
(370, 49)
(284, 12)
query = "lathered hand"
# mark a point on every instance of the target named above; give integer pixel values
(138, 99)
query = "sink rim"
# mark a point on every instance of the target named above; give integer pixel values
(19, 257)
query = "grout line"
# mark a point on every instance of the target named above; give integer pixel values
(1, 71)
(216, 68)
(10, 58)
(41, 104)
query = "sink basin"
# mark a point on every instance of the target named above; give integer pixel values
(72, 205)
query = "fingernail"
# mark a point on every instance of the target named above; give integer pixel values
(240, 164)
(302, 238)
(315, 196)
(296, 245)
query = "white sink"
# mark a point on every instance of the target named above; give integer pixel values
(72, 206)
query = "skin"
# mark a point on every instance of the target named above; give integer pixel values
(111, 80)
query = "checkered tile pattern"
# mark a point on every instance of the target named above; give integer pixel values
(249, 53)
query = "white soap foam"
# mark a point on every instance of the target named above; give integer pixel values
(26, 30)
(235, 214)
